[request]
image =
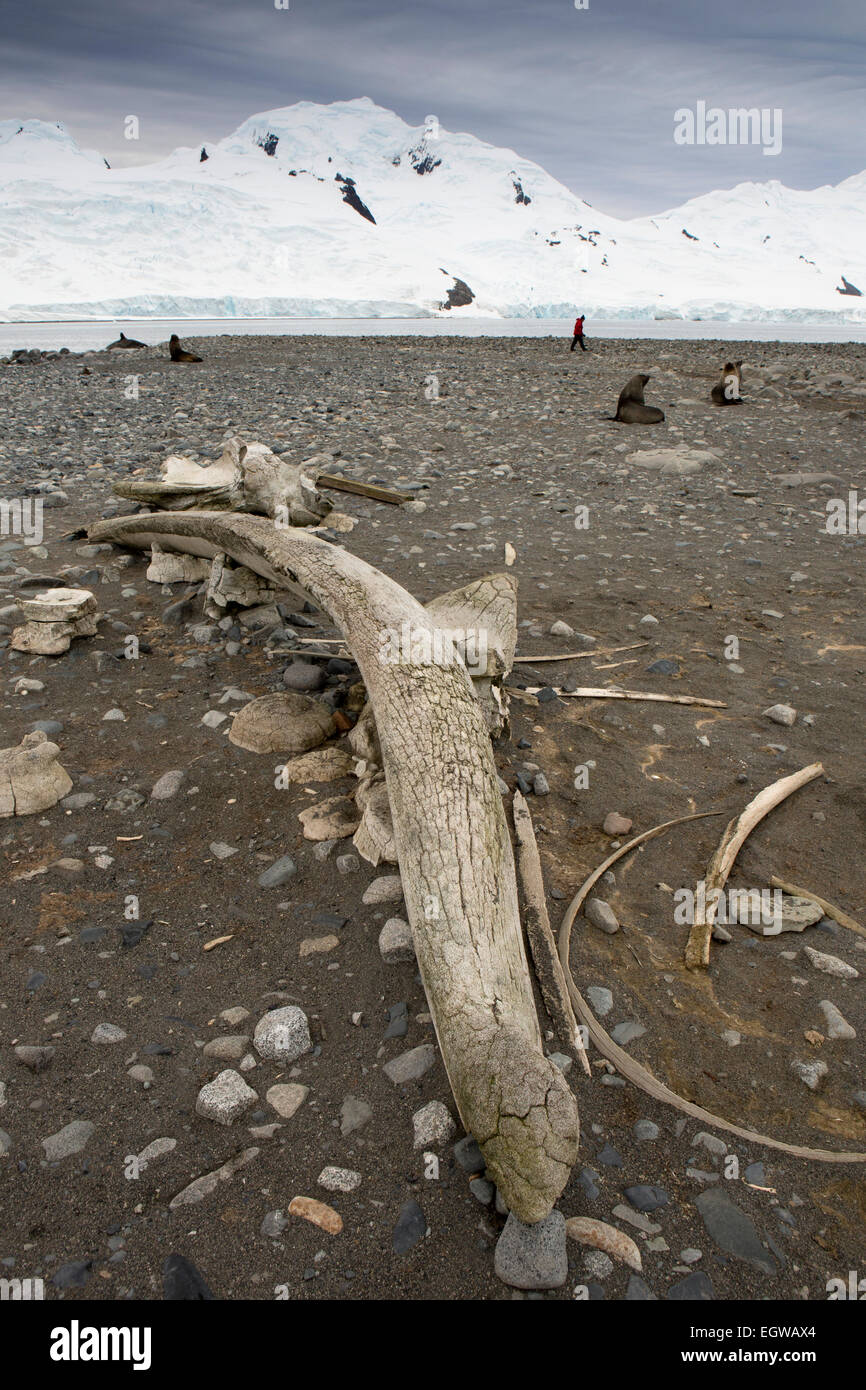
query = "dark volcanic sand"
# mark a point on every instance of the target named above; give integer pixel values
(517, 440)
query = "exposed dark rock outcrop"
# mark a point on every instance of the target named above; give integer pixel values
(459, 295)
(427, 165)
(519, 195)
(203, 156)
(269, 143)
(350, 196)
(847, 288)
(28, 357)
(422, 160)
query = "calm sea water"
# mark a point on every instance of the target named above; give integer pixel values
(91, 334)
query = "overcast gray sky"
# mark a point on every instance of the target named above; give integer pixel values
(590, 94)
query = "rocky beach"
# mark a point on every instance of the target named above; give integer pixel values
(169, 910)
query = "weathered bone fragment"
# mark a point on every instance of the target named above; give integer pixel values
(598, 1235)
(31, 778)
(50, 639)
(827, 908)
(485, 613)
(604, 692)
(333, 819)
(548, 969)
(454, 850)
(736, 833)
(246, 478)
(54, 618)
(168, 568)
(322, 765)
(58, 605)
(364, 740)
(374, 839)
(228, 583)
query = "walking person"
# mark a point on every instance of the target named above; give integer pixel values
(578, 334)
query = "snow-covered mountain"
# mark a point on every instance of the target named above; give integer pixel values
(346, 210)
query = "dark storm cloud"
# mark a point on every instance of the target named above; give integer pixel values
(590, 94)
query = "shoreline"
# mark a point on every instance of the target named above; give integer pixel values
(92, 335)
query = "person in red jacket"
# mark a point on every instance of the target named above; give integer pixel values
(578, 335)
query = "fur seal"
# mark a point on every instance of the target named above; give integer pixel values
(179, 354)
(630, 408)
(124, 342)
(727, 392)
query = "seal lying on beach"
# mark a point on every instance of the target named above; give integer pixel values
(124, 342)
(728, 390)
(630, 408)
(178, 353)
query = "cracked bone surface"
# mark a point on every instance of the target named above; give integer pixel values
(482, 616)
(58, 605)
(167, 568)
(228, 583)
(453, 846)
(246, 478)
(374, 838)
(480, 622)
(31, 778)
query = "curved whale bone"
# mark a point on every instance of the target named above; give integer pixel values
(454, 850)
(476, 624)
(481, 619)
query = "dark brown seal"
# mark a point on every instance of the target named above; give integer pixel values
(727, 392)
(630, 408)
(124, 342)
(178, 353)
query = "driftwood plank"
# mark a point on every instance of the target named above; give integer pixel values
(377, 494)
